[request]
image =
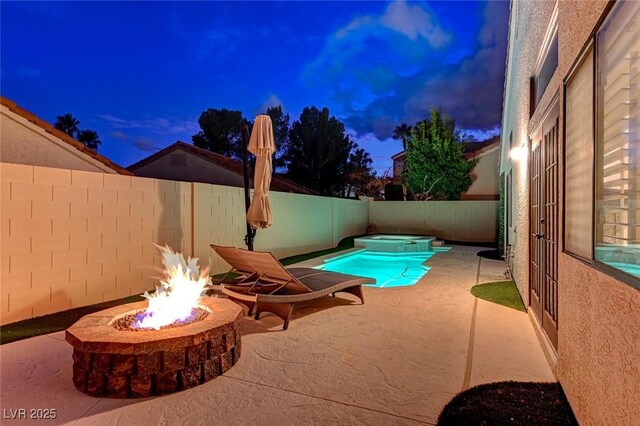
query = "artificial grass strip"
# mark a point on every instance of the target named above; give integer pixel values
(62, 320)
(503, 293)
(55, 322)
(509, 403)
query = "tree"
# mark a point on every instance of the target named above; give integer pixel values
(280, 122)
(361, 179)
(67, 123)
(89, 138)
(402, 132)
(436, 166)
(222, 131)
(318, 152)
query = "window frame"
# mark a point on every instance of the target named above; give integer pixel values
(551, 33)
(590, 44)
(616, 273)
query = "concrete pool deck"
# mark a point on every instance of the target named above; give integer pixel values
(397, 359)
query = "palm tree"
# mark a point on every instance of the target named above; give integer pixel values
(402, 132)
(89, 138)
(67, 123)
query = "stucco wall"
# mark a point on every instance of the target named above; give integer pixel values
(471, 221)
(195, 169)
(23, 142)
(598, 336)
(74, 238)
(599, 345)
(487, 175)
(529, 21)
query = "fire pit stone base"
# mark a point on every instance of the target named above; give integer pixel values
(137, 364)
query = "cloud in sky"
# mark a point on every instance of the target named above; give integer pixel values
(139, 142)
(414, 21)
(367, 57)
(156, 125)
(383, 70)
(271, 101)
(119, 135)
(471, 90)
(147, 145)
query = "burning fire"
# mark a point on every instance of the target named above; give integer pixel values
(178, 293)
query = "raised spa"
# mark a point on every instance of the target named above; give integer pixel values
(395, 243)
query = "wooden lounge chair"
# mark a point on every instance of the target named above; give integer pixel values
(267, 286)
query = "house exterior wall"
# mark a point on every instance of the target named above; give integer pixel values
(487, 176)
(528, 24)
(195, 169)
(598, 350)
(399, 165)
(469, 221)
(23, 142)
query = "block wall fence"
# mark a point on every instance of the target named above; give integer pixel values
(468, 221)
(73, 238)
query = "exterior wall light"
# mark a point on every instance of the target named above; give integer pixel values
(518, 153)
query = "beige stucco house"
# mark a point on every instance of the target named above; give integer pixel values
(570, 151)
(187, 163)
(27, 139)
(485, 175)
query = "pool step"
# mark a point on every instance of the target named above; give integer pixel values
(437, 243)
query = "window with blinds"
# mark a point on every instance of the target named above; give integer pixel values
(617, 129)
(578, 225)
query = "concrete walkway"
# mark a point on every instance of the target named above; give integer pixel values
(398, 359)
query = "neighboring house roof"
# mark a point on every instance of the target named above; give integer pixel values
(471, 149)
(475, 149)
(398, 156)
(48, 127)
(278, 183)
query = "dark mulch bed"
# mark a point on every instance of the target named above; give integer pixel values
(509, 403)
(490, 254)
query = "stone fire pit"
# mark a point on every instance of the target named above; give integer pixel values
(134, 364)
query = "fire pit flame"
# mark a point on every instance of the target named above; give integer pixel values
(178, 293)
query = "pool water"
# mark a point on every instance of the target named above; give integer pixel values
(389, 269)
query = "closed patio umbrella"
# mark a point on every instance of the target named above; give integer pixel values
(263, 146)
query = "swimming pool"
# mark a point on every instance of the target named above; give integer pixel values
(389, 269)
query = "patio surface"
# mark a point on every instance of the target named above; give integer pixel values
(398, 359)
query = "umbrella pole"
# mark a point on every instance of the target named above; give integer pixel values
(251, 233)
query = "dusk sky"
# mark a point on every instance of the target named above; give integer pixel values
(140, 73)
